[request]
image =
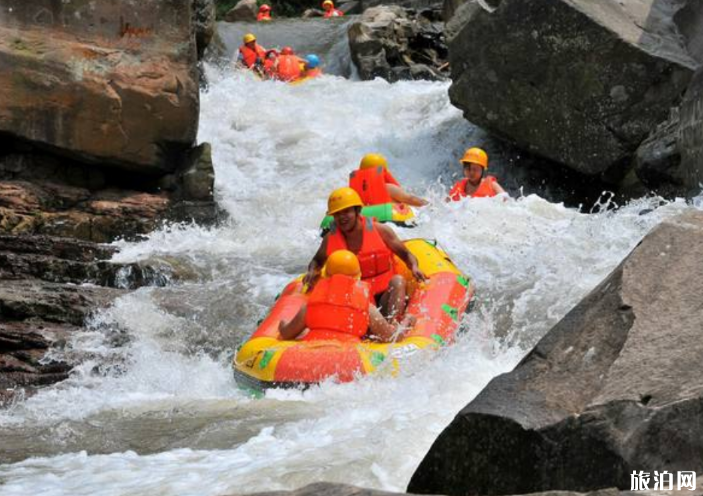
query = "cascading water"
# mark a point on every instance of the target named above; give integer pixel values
(154, 409)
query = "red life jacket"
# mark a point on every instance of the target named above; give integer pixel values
(263, 16)
(250, 56)
(288, 68)
(485, 189)
(338, 308)
(371, 185)
(333, 13)
(375, 258)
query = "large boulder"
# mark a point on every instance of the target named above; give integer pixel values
(615, 387)
(394, 43)
(581, 82)
(691, 135)
(113, 83)
(245, 10)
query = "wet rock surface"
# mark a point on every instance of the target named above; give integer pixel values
(601, 75)
(690, 135)
(49, 287)
(613, 388)
(395, 43)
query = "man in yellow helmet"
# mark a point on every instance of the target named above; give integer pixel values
(339, 307)
(474, 184)
(376, 185)
(374, 244)
(251, 54)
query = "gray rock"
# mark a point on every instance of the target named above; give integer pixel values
(393, 43)
(658, 159)
(199, 175)
(245, 10)
(616, 386)
(581, 82)
(204, 24)
(691, 135)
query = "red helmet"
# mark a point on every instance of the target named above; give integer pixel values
(287, 51)
(264, 8)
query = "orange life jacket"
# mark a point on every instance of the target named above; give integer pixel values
(375, 258)
(485, 189)
(338, 308)
(250, 56)
(288, 68)
(371, 185)
(269, 67)
(333, 13)
(263, 16)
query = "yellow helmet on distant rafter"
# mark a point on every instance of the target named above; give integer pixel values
(341, 199)
(327, 2)
(475, 156)
(249, 37)
(373, 160)
(343, 262)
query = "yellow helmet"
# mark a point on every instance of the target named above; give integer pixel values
(343, 262)
(249, 37)
(328, 2)
(475, 156)
(373, 160)
(341, 199)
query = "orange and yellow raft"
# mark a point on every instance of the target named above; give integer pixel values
(265, 361)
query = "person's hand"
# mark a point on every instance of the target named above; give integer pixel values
(281, 324)
(310, 278)
(418, 274)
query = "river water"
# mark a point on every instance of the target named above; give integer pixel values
(154, 409)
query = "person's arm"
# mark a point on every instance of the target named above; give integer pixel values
(497, 188)
(399, 195)
(290, 330)
(396, 246)
(384, 331)
(316, 264)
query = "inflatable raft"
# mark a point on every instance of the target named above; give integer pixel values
(397, 213)
(265, 361)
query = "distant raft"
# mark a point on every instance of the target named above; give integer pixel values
(265, 361)
(397, 213)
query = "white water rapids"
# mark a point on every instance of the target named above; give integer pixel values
(154, 409)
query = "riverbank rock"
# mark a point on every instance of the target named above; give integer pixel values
(615, 387)
(394, 43)
(690, 135)
(107, 83)
(49, 287)
(245, 10)
(601, 75)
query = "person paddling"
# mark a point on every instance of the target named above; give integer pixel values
(339, 307)
(330, 11)
(251, 54)
(474, 184)
(374, 244)
(376, 185)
